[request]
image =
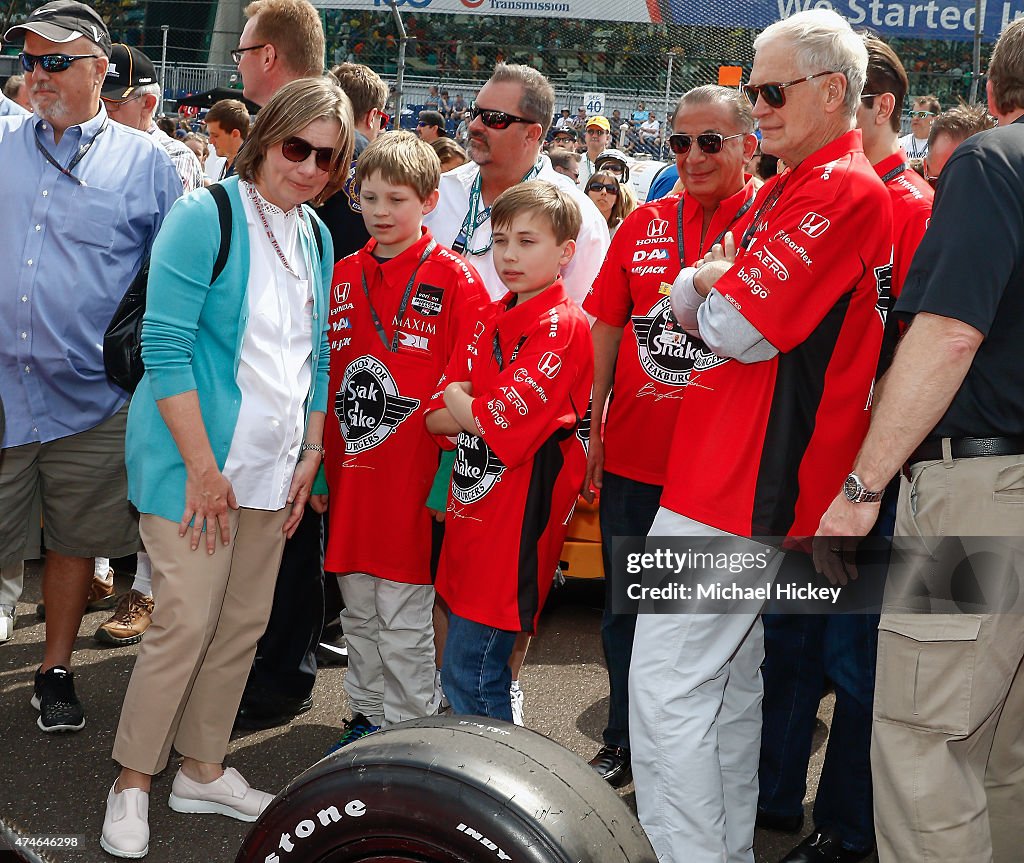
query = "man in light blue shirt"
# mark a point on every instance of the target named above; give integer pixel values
(10, 108)
(84, 198)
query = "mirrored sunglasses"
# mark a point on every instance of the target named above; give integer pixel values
(497, 119)
(51, 62)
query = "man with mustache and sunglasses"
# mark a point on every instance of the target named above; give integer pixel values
(787, 304)
(83, 200)
(512, 114)
(642, 355)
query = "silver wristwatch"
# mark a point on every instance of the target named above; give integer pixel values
(857, 492)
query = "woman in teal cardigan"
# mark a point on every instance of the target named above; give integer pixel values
(224, 441)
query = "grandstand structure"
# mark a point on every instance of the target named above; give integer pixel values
(622, 51)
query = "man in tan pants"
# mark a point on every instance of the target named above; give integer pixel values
(948, 734)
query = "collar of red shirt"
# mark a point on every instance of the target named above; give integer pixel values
(850, 142)
(514, 321)
(889, 162)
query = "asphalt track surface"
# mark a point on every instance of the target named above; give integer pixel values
(57, 783)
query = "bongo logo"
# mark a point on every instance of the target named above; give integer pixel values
(368, 406)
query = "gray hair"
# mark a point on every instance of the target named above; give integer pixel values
(538, 100)
(713, 94)
(823, 41)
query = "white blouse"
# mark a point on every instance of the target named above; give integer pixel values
(275, 364)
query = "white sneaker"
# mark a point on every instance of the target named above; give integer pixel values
(229, 795)
(126, 823)
(516, 694)
(8, 615)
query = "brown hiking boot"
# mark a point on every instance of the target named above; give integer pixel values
(130, 620)
(101, 597)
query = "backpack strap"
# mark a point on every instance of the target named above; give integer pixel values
(316, 232)
(220, 195)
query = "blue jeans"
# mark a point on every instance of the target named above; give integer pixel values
(801, 650)
(628, 508)
(476, 677)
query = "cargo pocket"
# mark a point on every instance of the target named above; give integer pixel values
(926, 670)
(1009, 485)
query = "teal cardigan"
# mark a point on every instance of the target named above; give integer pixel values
(192, 339)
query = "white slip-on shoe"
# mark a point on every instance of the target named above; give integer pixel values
(126, 823)
(8, 616)
(229, 795)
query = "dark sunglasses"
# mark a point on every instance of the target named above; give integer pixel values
(297, 150)
(597, 186)
(774, 92)
(497, 119)
(51, 62)
(709, 142)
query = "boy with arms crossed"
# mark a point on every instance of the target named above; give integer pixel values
(515, 395)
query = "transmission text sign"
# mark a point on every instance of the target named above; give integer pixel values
(928, 19)
(597, 10)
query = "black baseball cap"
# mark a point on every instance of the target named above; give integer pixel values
(129, 69)
(63, 21)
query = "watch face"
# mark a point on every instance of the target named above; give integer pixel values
(850, 488)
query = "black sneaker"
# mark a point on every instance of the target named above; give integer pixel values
(54, 697)
(355, 728)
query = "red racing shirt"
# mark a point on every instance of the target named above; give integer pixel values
(379, 458)
(655, 356)
(515, 484)
(911, 198)
(761, 448)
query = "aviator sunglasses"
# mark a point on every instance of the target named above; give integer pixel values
(298, 150)
(497, 119)
(774, 92)
(51, 62)
(709, 142)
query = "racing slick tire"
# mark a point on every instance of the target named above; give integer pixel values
(453, 789)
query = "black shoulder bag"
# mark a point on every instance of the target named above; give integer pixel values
(122, 341)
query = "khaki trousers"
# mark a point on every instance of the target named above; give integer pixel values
(194, 661)
(947, 753)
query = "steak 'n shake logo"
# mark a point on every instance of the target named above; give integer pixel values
(476, 469)
(368, 405)
(667, 352)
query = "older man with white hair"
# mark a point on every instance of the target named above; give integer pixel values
(789, 309)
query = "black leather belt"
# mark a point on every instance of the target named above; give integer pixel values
(968, 447)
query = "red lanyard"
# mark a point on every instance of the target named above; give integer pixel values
(258, 204)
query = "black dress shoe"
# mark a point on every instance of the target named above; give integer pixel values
(613, 766)
(262, 709)
(824, 846)
(779, 823)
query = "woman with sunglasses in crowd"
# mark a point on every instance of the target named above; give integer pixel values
(223, 443)
(615, 200)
